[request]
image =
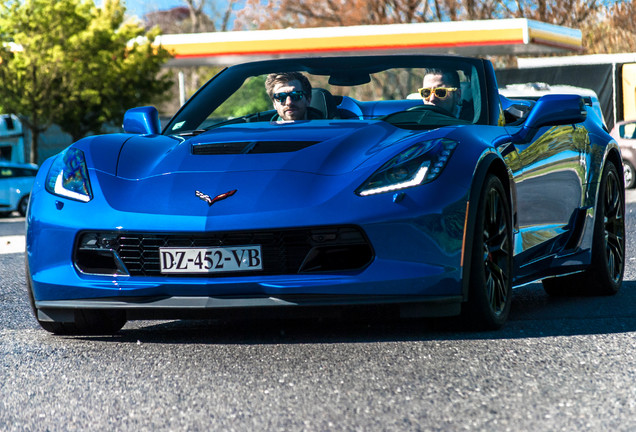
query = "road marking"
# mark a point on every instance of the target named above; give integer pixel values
(12, 244)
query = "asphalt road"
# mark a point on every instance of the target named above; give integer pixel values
(558, 365)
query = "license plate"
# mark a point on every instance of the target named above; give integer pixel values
(210, 260)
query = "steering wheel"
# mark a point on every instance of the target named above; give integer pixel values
(433, 108)
(419, 115)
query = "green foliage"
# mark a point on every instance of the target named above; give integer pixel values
(71, 63)
(250, 98)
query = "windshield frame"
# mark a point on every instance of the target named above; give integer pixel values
(341, 70)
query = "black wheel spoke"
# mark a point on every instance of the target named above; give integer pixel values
(493, 209)
(614, 228)
(497, 243)
(615, 243)
(495, 286)
(495, 251)
(615, 255)
(612, 200)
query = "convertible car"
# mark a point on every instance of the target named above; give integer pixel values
(378, 201)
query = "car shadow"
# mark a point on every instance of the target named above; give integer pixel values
(534, 314)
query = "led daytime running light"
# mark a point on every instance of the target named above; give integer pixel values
(59, 189)
(417, 179)
(418, 164)
(68, 176)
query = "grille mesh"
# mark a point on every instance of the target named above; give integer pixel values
(283, 251)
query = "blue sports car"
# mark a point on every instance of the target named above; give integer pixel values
(348, 189)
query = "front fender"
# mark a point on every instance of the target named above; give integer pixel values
(490, 162)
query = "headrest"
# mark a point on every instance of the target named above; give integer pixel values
(324, 102)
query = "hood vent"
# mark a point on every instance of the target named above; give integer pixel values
(252, 147)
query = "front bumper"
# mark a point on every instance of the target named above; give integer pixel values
(206, 307)
(417, 253)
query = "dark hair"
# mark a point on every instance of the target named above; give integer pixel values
(451, 77)
(285, 77)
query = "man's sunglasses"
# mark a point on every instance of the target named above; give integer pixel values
(295, 96)
(440, 92)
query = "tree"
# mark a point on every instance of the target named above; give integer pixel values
(71, 63)
(178, 20)
(114, 67)
(614, 34)
(250, 98)
(607, 26)
(591, 16)
(327, 13)
(202, 22)
(195, 16)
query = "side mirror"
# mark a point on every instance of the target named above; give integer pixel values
(557, 109)
(142, 120)
(553, 110)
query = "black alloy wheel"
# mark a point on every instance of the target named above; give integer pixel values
(23, 205)
(604, 276)
(613, 235)
(490, 289)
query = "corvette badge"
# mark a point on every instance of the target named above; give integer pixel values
(210, 200)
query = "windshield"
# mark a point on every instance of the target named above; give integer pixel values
(414, 92)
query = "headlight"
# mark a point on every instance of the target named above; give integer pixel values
(417, 165)
(68, 176)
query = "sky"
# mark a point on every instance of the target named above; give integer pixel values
(141, 7)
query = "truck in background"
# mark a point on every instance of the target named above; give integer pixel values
(611, 76)
(11, 139)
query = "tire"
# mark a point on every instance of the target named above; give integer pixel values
(630, 175)
(23, 205)
(604, 276)
(86, 322)
(490, 278)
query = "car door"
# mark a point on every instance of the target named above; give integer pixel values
(6, 173)
(550, 180)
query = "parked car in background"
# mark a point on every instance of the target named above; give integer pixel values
(625, 134)
(16, 181)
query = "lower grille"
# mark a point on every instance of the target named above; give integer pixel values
(289, 251)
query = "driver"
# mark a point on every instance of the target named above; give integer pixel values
(442, 89)
(290, 93)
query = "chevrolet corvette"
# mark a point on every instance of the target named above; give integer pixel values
(377, 199)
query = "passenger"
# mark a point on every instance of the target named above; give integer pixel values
(442, 89)
(290, 93)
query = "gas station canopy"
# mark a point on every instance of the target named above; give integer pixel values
(485, 37)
